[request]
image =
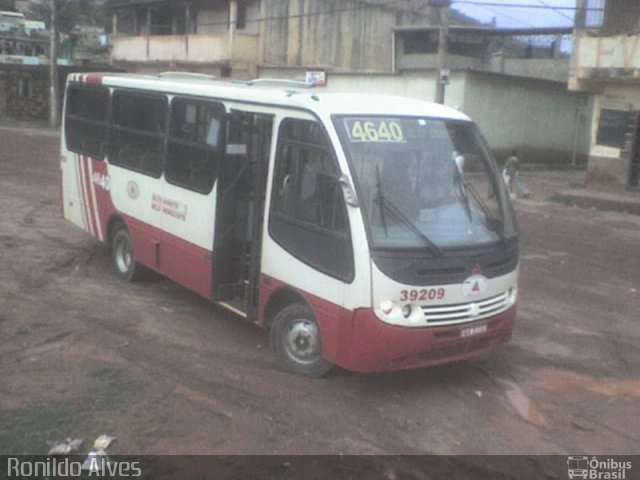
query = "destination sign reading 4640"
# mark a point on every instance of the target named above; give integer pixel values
(374, 130)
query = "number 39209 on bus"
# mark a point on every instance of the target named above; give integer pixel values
(370, 232)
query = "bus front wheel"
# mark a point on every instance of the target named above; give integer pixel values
(295, 338)
(122, 255)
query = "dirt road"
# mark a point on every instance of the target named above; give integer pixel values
(83, 353)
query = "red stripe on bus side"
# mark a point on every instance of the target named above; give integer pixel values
(81, 192)
(105, 206)
(87, 195)
(94, 198)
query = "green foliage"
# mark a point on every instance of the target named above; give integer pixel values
(72, 13)
(9, 5)
(27, 429)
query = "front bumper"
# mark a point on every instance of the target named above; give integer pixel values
(376, 346)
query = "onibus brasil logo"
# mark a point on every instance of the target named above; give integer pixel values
(597, 469)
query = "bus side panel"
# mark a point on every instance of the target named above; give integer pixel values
(137, 197)
(146, 242)
(188, 222)
(187, 264)
(170, 227)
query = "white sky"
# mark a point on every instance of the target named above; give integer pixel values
(517, 17)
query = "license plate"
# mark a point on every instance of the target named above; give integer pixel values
(472, 331)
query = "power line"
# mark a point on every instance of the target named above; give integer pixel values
(394, 3)
(555, 9)
(363, 6)
(504, 15)
(521, 5)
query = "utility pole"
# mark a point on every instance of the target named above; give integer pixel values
(580, 22)
(442, 77)
(579, 27)
(54, 114)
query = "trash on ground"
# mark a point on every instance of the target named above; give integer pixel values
(66, 447)
(103, 442)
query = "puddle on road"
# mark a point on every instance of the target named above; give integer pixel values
(50, 345)
(563, 381)
(46, 348)
(573, 330)
(560, 380)
(523, 404)
(534, 256)
(543, 256)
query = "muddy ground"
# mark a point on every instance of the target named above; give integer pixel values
(82, 353)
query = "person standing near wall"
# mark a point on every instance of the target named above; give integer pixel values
(515, 186)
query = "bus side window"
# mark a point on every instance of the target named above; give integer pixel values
(86, 120)
(137, 132)
(193, 144)
(307, 186)
(308, 213)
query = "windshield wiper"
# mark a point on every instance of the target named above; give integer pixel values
(457, 178)
(491, 219)
(395, 212)
(380, 201)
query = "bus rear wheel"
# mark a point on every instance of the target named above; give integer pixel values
(123, 258)
(295, 338)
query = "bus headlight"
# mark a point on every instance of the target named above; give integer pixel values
(397, 313)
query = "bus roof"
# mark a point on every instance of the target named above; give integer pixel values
(279, 93)
(7, 13)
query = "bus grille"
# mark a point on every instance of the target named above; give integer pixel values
(466, 312)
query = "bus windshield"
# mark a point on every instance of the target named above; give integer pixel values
(426, 182)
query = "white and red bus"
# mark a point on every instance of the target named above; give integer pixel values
(370, 232)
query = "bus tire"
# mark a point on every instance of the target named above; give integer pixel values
(123, 257)
(295, 338)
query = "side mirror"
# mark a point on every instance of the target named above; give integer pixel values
(348, 191)
(459, 160)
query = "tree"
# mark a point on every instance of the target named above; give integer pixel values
(61, 16)
(72, 13)
(9, 5)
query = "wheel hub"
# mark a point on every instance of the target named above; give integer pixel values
(123, 257)
(302, 341)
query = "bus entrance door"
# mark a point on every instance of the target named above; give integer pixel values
(240, 210)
